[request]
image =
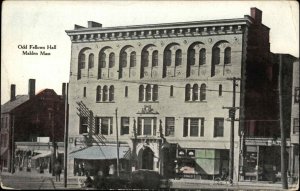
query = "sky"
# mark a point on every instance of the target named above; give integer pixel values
(44, 23)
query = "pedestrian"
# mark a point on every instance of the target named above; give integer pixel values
(57, 171)
(111, 170)
(99, 180)
(88, 183)
(82, 169)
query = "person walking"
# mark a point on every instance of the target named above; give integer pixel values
(57, 171)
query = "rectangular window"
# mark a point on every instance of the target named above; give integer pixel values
(97, 126)
(219, 127)
(147, 126)
(297, 94)
(103, 125)
(170, 126)
(193, 127)
(296, 125)
(83, 125)
(124, 125)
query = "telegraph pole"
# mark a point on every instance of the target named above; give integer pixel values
(232, 119)
(66, 135)
(118, 169)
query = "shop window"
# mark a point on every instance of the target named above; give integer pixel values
(132, 59)
(202, 56)
(111, 60)
(218, 127)
(155, 58)
(91, 61)
(83, 125)
(147, 126)
(104, 125)
(227, 55)
(170, 126)
(203, 92)
(297, 94)
(296, 125)
(124, 125)
(178, 57)
(193, 127)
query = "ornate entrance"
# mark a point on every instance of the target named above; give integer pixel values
(147, 159)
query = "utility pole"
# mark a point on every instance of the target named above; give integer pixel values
(232, 119)
(13, 145)
(66, 135)
(282, 130)
(118, 169)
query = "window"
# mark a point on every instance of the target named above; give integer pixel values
(124, 125)
(105, 93)
(141, 93)
(216, 56)
(155, 58)
(155, 93)
(193, 127)
(148, 92)
(297, 94)
(219, 127)
(102, 60)
(220, 90)
(81, 61)
(187, 92)
(84, 92)
(202, 56)
(123, 59)
(98, 93)
(145, 58)
(191, 57)
(296, 125)
(227, 55)
(111, 60)
(195, 92)
(104, 125)
(83, 125)
(111, 93)
(167, 58)
(126, 91)
(178, 57)
(171, 91)
(203, 92)
(170, 126)
(91, 61)
(132, 59)
(147, 126)
(97, 126)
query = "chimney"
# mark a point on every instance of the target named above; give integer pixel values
(256, 14)
(92, 24)
(12, 92)
(63, 93)
(31, 88)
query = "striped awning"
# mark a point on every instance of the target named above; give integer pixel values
(101, 152)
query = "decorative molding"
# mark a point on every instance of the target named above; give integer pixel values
(147, 109)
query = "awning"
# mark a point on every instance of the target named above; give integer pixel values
(101, 152)
(44, 154)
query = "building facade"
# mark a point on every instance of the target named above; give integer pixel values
(159, 90)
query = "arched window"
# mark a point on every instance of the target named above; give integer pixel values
(145, 58)
(141, 93)
(111, 93)
(105, 93)
(191, 57)
(202, 56)
(203, 92)
(220, 90)
(178, 57)
(155, 93)
(91, 61)
(216, 56)
(98, 93)
(124, 59)
(102, 60)
(187, 92)
(111, 60)
(155, 58)
(171, 91)
(195, 92)
(167, 57)
(132, 59)
(227, 55)
(126, 91)
(81, 61)
(148, 92)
